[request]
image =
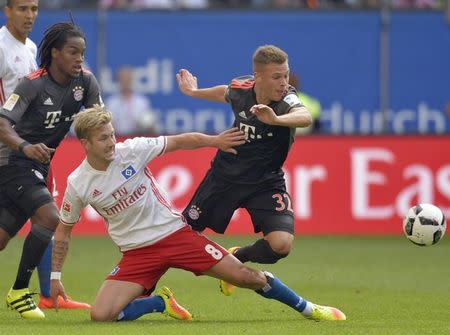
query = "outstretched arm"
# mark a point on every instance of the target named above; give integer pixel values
(225, 141)
(61, 241)
(297, 117)
(187, 83)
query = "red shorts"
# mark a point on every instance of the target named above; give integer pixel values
(184, 249)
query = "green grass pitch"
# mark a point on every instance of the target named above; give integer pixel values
(385, 285)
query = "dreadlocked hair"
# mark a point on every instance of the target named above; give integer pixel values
(55, 37)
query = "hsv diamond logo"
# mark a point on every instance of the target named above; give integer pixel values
(128, 172)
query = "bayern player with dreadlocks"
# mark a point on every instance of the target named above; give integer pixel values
(33, 121)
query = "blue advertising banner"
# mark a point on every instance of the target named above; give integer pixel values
(420, 73)
(336, 54)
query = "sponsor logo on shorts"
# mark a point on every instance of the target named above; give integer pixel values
(38, 174)
(115, 271)
(194, 212)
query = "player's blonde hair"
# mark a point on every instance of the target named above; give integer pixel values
(89, 120)
(267, 54)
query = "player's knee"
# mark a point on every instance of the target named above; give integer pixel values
(43, 233)
(263, 252)
(101, 315)
(281, 255)
(47, 216)
(276, 251)
(281, 246)
(274, 257)
(281, 251)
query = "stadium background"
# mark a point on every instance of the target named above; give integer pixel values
(383, 82)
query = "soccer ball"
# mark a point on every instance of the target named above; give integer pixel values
(424, 224)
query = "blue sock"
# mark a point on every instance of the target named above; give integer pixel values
(139, 307)
(44, 268)
(275, 289)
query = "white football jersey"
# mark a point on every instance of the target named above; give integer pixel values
(16, 61)
(136, 210)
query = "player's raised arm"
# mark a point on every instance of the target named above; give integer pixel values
(187, 83)
(225, 141)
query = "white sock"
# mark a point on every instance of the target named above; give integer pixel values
(308, 309)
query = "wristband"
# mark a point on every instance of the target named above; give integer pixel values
(55, 275)
(22, 146)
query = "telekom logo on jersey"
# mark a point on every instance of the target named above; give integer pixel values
(55, 117)
(124, 199)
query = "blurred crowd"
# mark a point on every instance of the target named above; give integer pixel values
(143, 118)
(242, 4)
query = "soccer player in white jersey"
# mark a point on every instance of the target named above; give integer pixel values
(17, 51)
(18, 59)
(152, 236)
